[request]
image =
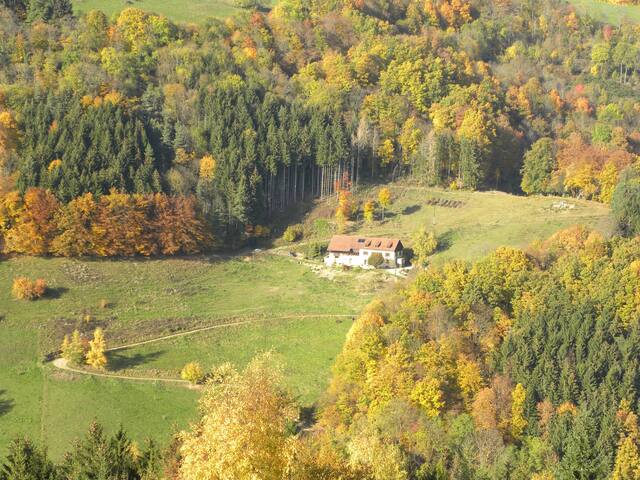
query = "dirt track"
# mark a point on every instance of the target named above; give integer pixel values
(62, 363)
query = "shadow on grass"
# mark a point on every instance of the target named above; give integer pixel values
(6, 404)
(122, 361)
(411, 210)
(445, 241)
(53, 293)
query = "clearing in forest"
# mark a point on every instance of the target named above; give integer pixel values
(468, 224)
(189, 11)
(608, 12)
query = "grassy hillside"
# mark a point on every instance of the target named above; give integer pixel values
(608, 12)
(177, 10)
(482, 221)
(290, 306)
(147, 299)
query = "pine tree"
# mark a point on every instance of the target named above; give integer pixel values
(470, 167)
(26, 462)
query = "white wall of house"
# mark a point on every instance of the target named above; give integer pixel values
(391, 259)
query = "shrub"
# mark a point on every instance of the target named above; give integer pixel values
(192, 372)
(315, 249)
(292, 233)
(375, 260)
(25, 289)
(322, 227)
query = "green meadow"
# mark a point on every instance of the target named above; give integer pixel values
(608, 12)
(137, 300)
(481, 222)
(192, 11)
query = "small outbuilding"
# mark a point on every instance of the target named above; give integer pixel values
(352, 251)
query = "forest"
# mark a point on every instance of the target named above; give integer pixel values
(267, 109)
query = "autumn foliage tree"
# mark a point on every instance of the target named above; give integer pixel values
(192, 372)
(73, 348)
(424, 245)
(369, 211)
(35, 227)
(25, 289)
(96, 357)
(346, 207)
(244, 428)
(384, 199)
(114, 225)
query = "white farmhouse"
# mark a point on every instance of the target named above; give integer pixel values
(353, 251)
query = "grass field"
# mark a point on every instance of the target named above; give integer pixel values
(485, 221)
(191, 11)
(196, 11)
(137, 300)
(306, 346)
(147, 299)
(608, 12)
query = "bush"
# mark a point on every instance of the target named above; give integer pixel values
(192, 372)
(315, 249)
(292, 233)
(375, 260)
(322, 227)
(25, 289)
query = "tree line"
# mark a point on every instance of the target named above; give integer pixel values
(115, 224)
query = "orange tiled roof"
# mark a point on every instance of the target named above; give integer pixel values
(353, 244)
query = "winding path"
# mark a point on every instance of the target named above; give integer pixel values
(63, 364)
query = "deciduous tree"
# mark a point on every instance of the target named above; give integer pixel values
(96, 357)
(243, 432)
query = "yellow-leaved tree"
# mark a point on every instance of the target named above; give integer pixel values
(518, 422)
(470, 379)
(627, 464)
(369, 211)
(73, 348)
(243, 432)
(97, 347)
(207, 168)
(384, 199)
(8, 140)
(192, 372)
